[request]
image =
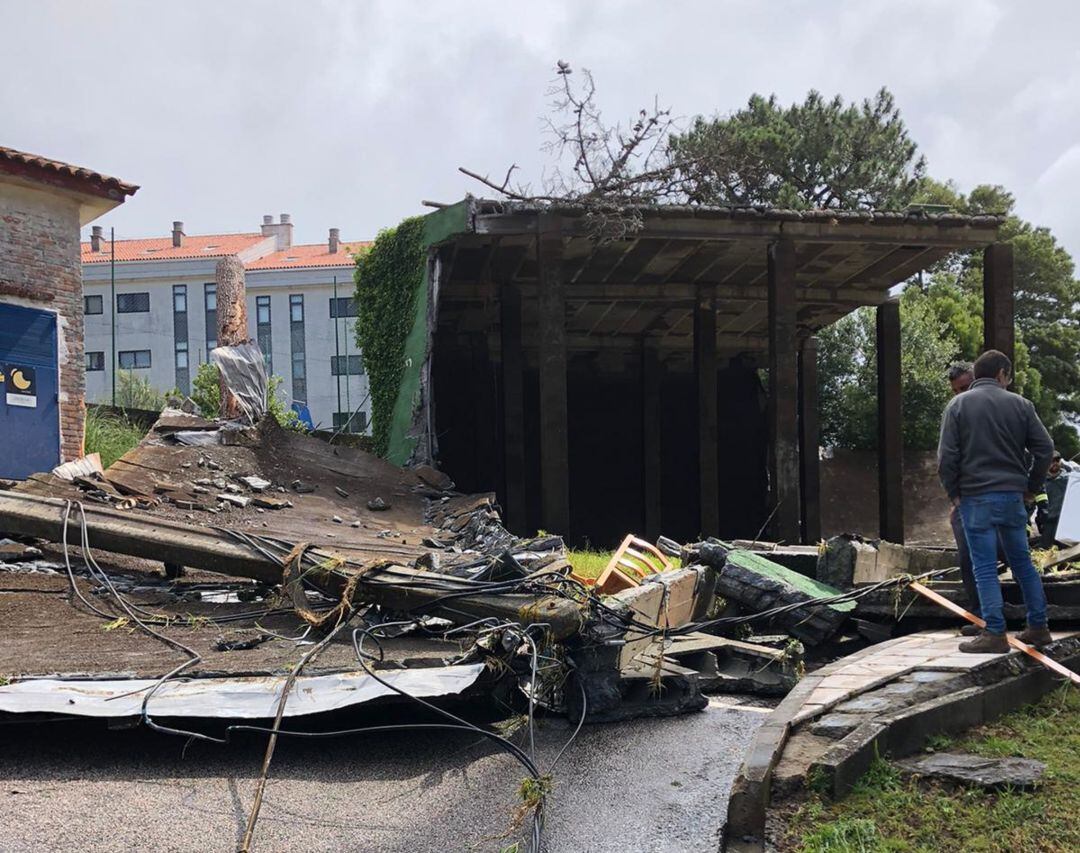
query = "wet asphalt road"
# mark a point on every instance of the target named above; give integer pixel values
(643, 785)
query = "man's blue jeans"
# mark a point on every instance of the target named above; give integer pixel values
(986, 518)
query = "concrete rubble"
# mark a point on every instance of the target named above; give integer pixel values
(1018, 774)
(286, 519)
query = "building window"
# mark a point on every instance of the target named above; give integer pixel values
(95, 361)
(134, 359)
(296, 308)
(350, 422)
(180, 337)
(210, 297)
(342, 306)
(298, 346)
(263, 331)
(338, 365)
(132, 303)
(93, 305)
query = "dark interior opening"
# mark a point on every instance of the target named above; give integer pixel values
(606, 440)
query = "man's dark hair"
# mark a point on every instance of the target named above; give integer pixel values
(990, 363)
(958, 369)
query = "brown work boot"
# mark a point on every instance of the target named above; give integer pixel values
(970, 630)
(1037, 637)
(986, 644)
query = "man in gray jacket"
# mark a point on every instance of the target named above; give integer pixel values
(982, 464)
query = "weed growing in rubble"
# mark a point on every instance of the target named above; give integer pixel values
(110, 435)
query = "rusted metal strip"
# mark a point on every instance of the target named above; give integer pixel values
(1049, 663)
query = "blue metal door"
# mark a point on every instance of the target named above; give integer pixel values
(29, 399)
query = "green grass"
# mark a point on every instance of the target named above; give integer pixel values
(885, 813)
(110, 435)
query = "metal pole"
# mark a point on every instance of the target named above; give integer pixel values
(112, 305)
(337, 346)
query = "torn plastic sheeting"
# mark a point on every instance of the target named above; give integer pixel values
(228, 698)
(244, 371)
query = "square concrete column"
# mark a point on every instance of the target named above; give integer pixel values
(650, 438)
(890, 424)
(551, 318)
(784, 501)
(809, 463)
(998, 312)
(708, 430)
(513, 408)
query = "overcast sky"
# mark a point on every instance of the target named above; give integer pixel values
(349, 113)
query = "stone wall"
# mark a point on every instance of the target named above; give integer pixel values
(40, 268)
(849, 497)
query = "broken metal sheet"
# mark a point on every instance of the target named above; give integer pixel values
(243, 369)
(229, 698)
(84, 466)
(198, 438)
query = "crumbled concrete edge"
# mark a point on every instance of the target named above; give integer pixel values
(899, 734)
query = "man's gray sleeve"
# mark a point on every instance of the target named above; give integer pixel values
(1041, 447)
(948, 453)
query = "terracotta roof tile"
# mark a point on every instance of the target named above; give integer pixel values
(314, 255)
(57, 169)
(162, 249)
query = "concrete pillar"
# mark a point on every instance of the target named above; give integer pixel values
(809, 464)
(708, 431)
(890, 424)
(784, 501)
(551, 319)
(513, 408)
(998, 297)
(650, 438)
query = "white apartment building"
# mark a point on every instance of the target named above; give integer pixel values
(166, 323)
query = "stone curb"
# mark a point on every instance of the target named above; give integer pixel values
(900, 733)
(907, 731)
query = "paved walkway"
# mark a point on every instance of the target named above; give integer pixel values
(863, 671)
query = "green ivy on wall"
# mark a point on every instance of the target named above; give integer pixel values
(387, 277)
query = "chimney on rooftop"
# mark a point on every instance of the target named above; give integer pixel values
(95, 238)
(177, 234)
(282, 232)
(335, 240)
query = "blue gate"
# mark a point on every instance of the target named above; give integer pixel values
(29, 399)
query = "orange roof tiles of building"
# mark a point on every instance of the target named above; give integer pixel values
(314, 255)
(57, 172)
(162, 248)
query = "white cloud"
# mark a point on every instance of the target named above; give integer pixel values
(348, 113)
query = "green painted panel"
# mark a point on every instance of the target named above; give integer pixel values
(763, 566)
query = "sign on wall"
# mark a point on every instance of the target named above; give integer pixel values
(20, 385)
